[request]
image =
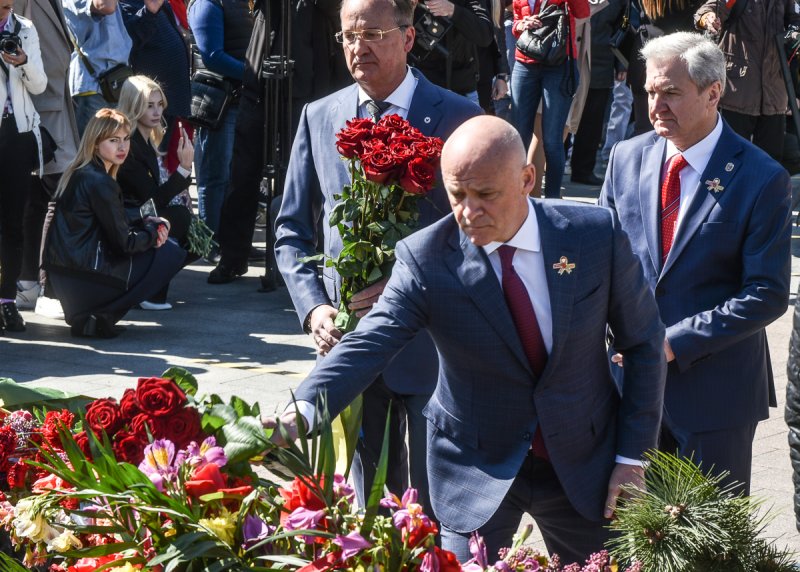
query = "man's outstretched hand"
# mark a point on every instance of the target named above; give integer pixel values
(287, 420)
(622, 475)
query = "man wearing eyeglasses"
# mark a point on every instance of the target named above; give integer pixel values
(376, 37)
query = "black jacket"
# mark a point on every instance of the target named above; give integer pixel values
(792, 414)
(472, 29)
(89, 233)
(139, 176)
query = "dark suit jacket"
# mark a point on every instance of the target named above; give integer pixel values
(316, 173)
(488, 400)
(139, 176)
(726, 277)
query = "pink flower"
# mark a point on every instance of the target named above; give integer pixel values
(158, 462)
(198, 456)
(302, 518)
(351, 544)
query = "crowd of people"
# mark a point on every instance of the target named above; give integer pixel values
(578, 314)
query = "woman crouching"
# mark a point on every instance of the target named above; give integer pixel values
(99, 265)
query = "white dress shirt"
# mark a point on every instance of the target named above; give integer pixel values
(698, 156)
(400, 98)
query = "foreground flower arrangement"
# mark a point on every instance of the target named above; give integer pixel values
(164, 480)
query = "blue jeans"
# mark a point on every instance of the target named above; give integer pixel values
(529, 83)
(85, 108)
(212, 155)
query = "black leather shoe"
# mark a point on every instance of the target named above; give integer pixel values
(256, 255)
(225, 273)
(10, 318)
(590, 179)
(96, 326)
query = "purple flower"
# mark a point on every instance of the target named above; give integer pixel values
(254, 530)
(158, 462)
(198, 456)
(391, 500)
(351, 544)
(303, 518)
(477, 548)
(429, 563)
(342, 489)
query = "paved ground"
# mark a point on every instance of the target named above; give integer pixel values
(239, 341)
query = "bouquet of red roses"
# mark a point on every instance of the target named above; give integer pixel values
(391, 165)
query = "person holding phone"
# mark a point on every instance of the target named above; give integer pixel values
(99, 265)
(141, 176)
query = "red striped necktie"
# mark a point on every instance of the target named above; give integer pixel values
(670, 203)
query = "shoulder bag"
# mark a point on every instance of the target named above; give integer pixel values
(548, 44)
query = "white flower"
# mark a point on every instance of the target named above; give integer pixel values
(63, 542)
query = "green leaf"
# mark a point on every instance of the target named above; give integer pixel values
(17, 396)
(185, 380)
(375, 275)
(376, 493)
(8, 564)
(245, 438)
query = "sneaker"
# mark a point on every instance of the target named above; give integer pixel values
(261, 216)
(155, 305)
(26, 299)
(10, 317)
(49, 308)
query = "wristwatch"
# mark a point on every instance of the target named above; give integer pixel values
(503, 76)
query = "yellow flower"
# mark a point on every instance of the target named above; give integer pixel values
(223, 526)
(127, 567)
(63, 542)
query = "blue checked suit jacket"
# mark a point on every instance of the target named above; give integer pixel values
(316, 173)
(725, 279)
(488, 400)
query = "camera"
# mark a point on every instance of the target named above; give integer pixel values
(431, 30)
(10, 43)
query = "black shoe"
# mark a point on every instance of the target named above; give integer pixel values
(96, 326)
(590, 179)
(256, 255)
(10, 318)
(213, 257)
(225, 273)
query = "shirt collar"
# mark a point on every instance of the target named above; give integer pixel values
(400, 97)
(527, 237)
(699, 154)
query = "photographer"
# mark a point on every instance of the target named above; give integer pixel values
(453, 62)
(21, 74)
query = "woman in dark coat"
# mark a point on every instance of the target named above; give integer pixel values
(142, 178)
(98, 264)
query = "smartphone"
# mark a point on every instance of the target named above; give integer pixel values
(148, 209)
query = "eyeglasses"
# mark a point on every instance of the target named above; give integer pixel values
(369, 35)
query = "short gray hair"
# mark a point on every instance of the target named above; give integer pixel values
(704, 61)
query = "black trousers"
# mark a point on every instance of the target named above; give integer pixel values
(590, 132)
(40, 193)
(536, 491)
(18, 157)
(82, 295)
(765, 131)
(238, 218)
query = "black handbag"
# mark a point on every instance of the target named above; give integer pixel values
(622, 40)
(548, 44)
(111, 81)
(212, 95)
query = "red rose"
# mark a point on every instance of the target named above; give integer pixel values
(129, 447)
(104, 415)
(159, 397)
(82, 441)
(379, 165)
(365, 124)
(394, 122)
(429, 148)
(447, 560)
(143, 422)
(401, 151)
(206, 480)
(53, 422)
(128, 404)
(349, 141)
(381, 133)
(182, 427)
(419, 177)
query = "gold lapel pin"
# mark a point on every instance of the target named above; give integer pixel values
(714, 186)
(564, 265)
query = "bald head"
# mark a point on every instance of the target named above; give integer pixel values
(483, 142)
(487, 179)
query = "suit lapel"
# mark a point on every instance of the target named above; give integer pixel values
(472, 266)
(557, 241)
(424, 113)
(713, 185)
(345, 109)
(650, 198)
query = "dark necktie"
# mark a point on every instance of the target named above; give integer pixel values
(527, 326)
(377, 108)
(670, 203)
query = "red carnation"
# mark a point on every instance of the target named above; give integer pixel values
(16, 475)
(378, 166)
(419, 177)
(104, 415)
(8, 445)
(182, 427)
(128, 404)
(159, 397)
(129, 447)
(54, 421)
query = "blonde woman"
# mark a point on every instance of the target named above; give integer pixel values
(98, 264)
(141, 177)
